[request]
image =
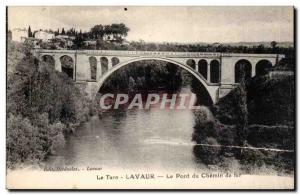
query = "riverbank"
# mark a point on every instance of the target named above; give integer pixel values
(43, 107)
(259, 116)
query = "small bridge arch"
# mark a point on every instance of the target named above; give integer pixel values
(241, 67)
(49, 59)
(215, 67)
(67, 65)
(93, 67)
(203, 68)
(252, 67)
(63, 62)
(262, 67)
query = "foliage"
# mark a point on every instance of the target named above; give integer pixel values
(29, 32)
(271, 101)
(144, 75)
(114, 32)
(31, 141)
(259, 113)
(42, 104)
(209, 155)
(15, 53)
(242, 115)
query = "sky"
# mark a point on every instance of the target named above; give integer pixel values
(167, 24)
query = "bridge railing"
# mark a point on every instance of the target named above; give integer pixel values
(150, 53)
(157, 53)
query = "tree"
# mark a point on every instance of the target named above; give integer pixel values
(131, 84)
(243, 110)
(71, 32)
(273, 44)
(63, 31)
(107, 31)
(56, 32)
(42, 104)
(29, 32)
(119, 31)
(78, 42)
(97, 32)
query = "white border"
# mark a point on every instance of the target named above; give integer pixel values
(153, 2)
(5, 3)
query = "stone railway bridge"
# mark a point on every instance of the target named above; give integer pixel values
(219, 73)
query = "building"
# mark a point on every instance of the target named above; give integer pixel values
(43, 35)
(34, 42)
(62, 36)
(65, 40)
(90, 43)
(19, 34)
(65, 37)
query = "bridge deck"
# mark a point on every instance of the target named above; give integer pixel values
(157, 53)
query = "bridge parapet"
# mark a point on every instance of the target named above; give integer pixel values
(158, 53)
(152, 53)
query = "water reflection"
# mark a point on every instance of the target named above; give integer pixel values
(153, 139)
(158, 139)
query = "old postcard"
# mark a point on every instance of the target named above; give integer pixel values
(135, 97)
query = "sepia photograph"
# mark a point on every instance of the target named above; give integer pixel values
(150, 97)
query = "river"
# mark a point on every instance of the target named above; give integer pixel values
(135, 139)
(153, 138)
(126, 143)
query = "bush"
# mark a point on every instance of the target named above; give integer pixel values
(144, 75)
(31, 143)
(203, 127)
(272, 100)
(21, 141)
(271, 107)
(281, 137)
(251, 159)
(42, 106)
(209, 155)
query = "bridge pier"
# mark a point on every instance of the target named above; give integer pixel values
(57, 63)
(224, 90)
(197, 67)
(82, 68)
(99, 68)
(109, 62)
(253, 71)
(208, 71)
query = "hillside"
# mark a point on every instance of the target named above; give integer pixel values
(266, 121)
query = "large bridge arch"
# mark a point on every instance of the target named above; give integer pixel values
(211, 89)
